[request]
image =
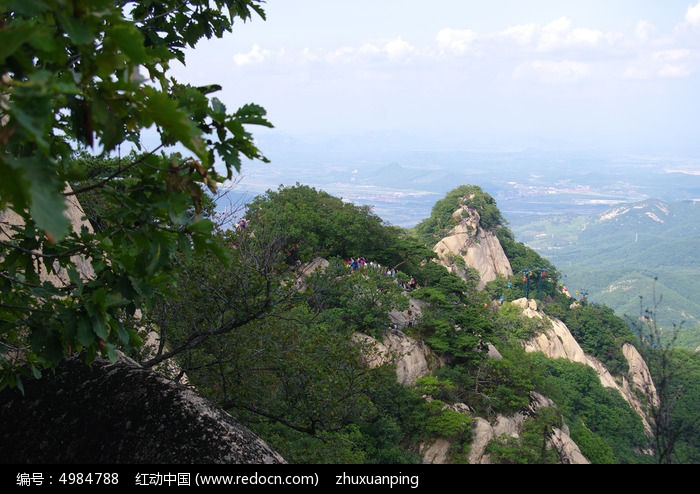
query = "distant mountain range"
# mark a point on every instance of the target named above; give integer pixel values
(646, 249)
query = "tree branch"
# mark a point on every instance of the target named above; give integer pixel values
(306, 430)
(114, 175)
(196, 338)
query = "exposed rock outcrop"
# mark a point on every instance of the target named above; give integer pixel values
(480, 249)
(569, 452)
(437, 452)
(407, 318)
(120, 414)
(412, 357)
(483, 432)
(493, 352)
(306, 270)
(76, 216)
(558, 342)
(59, 276)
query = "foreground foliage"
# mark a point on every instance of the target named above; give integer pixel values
(94, 75)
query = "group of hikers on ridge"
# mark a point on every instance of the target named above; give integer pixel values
(355, 264)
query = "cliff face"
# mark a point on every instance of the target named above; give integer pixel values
(120, 414)
(479, 249)
(413, 358)
(76, 216)
(557, 342)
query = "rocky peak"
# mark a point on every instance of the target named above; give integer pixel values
(477, 248)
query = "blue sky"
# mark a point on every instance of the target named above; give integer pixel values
(618, 74)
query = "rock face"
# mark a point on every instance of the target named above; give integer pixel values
(569, 452)
(120, 414)
(306, 270)
(478, 248)
(437, 453)
(412, 357)
(557, 342)
(484, 432)
(76, 216)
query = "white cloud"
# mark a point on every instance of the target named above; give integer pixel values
(588, 37)
(674, 71)
(671, 55)
(255, 55)
(692, 16)
(637, 72)
(370, 50)
(343, 54)
(398, 48)
(645, 31)
(522, 34)
(663, 63)
(560, 34)
(552, 72)
(455, 41)
(395, 49)
(672, 63)
(307, 55)
(562, 52)
(552, 35)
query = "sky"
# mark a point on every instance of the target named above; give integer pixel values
(463, 74)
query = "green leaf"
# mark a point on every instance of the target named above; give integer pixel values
(79, 33)
(35, 372)
(47, 203)
(155, 259)
(75, 278)
(29, 8)
(252, 114)
(85, 335)
(218, 109)
(112, 353)
(47, 210)
(19, 384)
(32, 125)
(211, 88)
(47, 343)
(123, 334)
(203, 226)
(99, 327)
(176, 123)
(130, 41)
(12, 39)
